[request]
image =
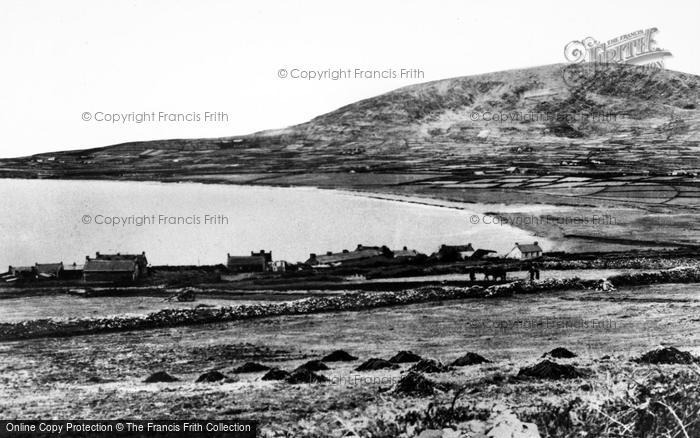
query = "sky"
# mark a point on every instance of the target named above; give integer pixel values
(206, 68)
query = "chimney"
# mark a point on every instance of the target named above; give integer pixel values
(312, 255)
(535, 242)
(88, 257)
(228, 254)
(329, 252)
(97, 254)
(345, 251)
(143, 253)
(405, 248)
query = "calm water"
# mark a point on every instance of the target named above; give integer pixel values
(43, 221)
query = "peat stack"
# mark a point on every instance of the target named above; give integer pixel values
(376, 364)
(405, 357)
(305, 376)
(211, 376)
(469, 359)
(338, 356)
(276, 374)
(251, 367)
(429, 366)
(667, 355)
(560, 353)
(415, 384)
(313, 365)
(160, 376)
(550, 370)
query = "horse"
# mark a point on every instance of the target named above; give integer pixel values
(495, 273)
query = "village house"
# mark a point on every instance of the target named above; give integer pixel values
(361, 254)
(525, 251)
(405, 254)
(483, 254)
(115, 268)
(110, 271)
(44, 271)
(71, 272)
(279, 266)
(140, 260)
(255, 262)
(23, 272)
(453, 253)
(49, 270)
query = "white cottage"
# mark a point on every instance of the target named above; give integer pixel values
(525, 251)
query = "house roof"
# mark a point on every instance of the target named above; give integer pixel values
(460, 248)
(109, 266)
(479, 253)
(246, 260)
(535, 247)
(340, 257)
(405, 253)
(49, 267)
(137, 257)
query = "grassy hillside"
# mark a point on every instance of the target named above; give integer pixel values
(620, 118)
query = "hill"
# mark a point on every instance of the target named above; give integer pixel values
(619, 118)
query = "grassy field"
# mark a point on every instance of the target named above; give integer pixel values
(30, 303)
(101, 376)
(70, 306)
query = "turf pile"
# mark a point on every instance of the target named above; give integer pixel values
(668, 355)
(160, 376)
(338, 356)
(415, 384)
(405, 357)
(550, 370)
(275, 374)
(560, 353)
(469, 359)
(430, 366)
(313, 365)
(211, 376)
(251, 367)
(305, 376)
(374, 364)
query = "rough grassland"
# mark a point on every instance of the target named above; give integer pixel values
(100, 376)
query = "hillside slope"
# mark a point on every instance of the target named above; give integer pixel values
(620, 118)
